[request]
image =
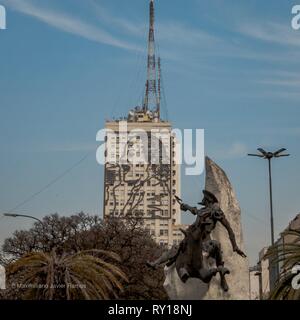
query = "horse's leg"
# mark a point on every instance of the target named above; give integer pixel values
(183, 274)
(183, 270)
(206, 274)
(168, 256)
(215, 251)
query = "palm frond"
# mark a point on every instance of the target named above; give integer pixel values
(81, 275)
(289, 255)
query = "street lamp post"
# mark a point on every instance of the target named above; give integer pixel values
(14, 215)
(271, 199)
(269, 156)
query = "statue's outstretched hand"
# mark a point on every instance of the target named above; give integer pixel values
(183, 207)
(240, 252)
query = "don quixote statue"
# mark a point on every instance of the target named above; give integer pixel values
(188, 256)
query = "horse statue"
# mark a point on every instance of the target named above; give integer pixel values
(189, 255)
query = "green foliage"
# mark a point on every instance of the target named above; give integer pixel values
(289, 255)
(68, 236)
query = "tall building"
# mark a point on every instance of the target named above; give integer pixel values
(142, 174)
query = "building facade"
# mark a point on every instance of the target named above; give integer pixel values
(254, 287)
(142, 174)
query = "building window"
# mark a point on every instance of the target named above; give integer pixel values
(163, 232)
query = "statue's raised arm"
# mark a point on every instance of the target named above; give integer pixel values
(186, 207)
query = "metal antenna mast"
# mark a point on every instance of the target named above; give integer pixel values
(151, 100)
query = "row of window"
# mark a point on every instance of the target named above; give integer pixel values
(154, 183)
(152, 203)
(163, 213)
(162, 232)
(120, 193)
(120, 213)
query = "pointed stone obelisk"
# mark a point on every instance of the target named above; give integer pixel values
(218, 183)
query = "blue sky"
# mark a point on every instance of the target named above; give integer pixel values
(229, 67)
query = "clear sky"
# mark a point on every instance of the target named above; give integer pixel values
(230, 67)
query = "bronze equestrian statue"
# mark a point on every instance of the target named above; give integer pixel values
(188, 256)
